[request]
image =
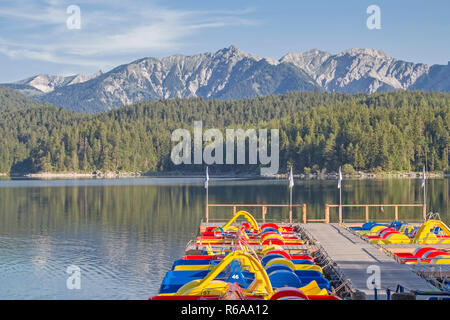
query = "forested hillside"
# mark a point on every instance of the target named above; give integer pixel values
(318, 132)
(12, 100)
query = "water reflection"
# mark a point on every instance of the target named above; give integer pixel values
(124, 234)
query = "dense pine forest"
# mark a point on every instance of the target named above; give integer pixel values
(395, 131)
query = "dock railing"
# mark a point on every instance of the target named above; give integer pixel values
(367, 206)
(326, 219)
(263, 208)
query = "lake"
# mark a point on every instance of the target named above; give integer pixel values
(124, 234)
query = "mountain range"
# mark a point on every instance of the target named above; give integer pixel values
(231, 73)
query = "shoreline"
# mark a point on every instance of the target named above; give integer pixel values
(115, 175)
(51, 175)
(363, 175)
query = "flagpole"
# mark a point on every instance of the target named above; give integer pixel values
(291, 185)
(207, 196)
(424, 195)
(340, 195)
(340, 205)
(424, 204)
(290, 205)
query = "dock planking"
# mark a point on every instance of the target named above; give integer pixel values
(354, 257)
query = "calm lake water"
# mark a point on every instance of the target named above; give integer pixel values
(124, 234)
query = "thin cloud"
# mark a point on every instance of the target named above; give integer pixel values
(109, 30)
(43, 16)
(50, 57)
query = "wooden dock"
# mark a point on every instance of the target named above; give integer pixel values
(349, 261)
(354, 257)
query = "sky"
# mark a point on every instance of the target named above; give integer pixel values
(66, 37)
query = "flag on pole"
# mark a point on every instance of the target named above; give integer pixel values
(207, 178)
(340, 178)
(423, 177)
(291, 179)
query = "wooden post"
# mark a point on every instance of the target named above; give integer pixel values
(327, 214)
(340, 213)
(234, 210)
(207, 213)
(367, 214)
(290, 214)
(304, 212)
(424, 212)
(264, 211)
(396, 213)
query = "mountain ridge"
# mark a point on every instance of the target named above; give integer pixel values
(231, 73)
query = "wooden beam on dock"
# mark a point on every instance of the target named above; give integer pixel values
(262, 206)
(304, 213)
(367, 207)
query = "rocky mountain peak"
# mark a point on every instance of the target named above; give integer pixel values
(231, 73)
(47, 83)
(366, 52)
(233, 52)
(309, 61)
